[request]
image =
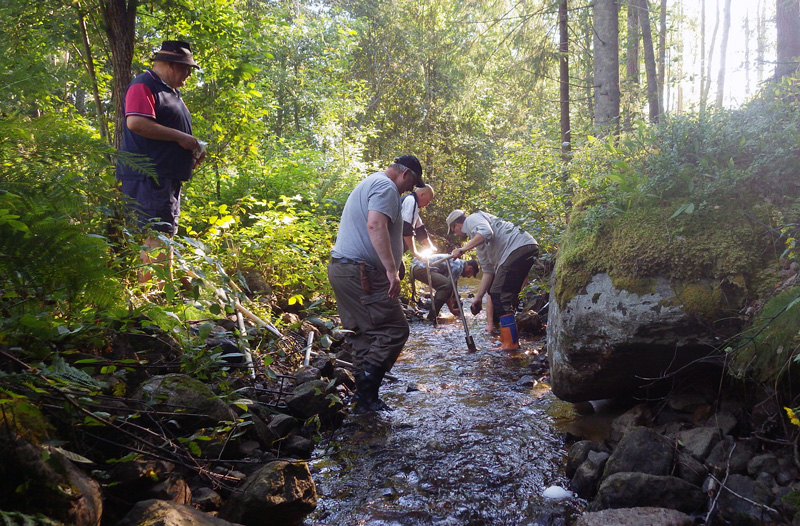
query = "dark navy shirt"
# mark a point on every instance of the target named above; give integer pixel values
(150, 97)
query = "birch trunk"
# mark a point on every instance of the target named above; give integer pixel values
(649, 60)
(723, 50)
(606, 66)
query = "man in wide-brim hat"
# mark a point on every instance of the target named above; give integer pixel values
(158, 149)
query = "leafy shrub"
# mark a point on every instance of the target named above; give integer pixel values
(772, 342)
(287, 242)
(56, 269)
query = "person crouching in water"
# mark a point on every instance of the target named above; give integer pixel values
(506, 255)
(440, 279)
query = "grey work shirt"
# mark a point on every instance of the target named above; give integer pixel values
(376, 192)
(501, 238)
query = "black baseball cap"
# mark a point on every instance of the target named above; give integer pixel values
(412, 163)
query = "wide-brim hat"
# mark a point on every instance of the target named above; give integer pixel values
(176, 51)
(412, 163)
(455, 214)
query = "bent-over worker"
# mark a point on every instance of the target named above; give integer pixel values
(506, 255)
(440, 279)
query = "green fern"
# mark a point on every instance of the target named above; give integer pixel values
(54, 267)
(14, 518)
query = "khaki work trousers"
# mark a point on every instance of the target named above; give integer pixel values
(441, 284)
(379, 325)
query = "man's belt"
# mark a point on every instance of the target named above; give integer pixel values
(344, 261)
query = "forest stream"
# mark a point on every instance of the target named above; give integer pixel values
(469, 441)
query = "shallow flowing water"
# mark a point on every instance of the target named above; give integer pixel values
(466, 444)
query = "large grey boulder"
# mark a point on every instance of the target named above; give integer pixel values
(606, 341)
(633, 490)
(162, 513)
(643, 450)
(279, 494)
(635, 517)
(745, 501)
(37, 480)
(187, 400)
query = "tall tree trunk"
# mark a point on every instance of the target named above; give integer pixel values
(723, 50)
(707, 72)
(631, 63)
(747, 54)
(563, 74)
(702, 54)
(649, 60)
(606, 66)
(787, 16)
(88, 61)
(588, 35)
(761, 46)
(662, 54)
(120, 21)
(679, 105)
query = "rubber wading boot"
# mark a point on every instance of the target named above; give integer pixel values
(368, 382)
(509, 339)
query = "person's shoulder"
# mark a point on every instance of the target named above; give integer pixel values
(379, 181)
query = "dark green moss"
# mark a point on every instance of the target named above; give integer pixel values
(722, 243)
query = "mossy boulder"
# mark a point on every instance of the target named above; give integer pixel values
(643, 291)
(185, 400)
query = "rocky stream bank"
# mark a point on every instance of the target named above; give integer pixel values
(475, 438)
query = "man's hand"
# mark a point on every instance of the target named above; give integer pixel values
(199, 160)
(394, 284)
(188, 142)
(476, 306)
(457, 253)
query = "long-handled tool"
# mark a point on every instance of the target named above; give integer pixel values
(430, 287)
(470, 341)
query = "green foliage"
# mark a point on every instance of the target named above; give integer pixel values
(55, 266)
(772, 341)
(19, 415)
(287, 242)
(530, 190)
(13, 518)
(687, 199)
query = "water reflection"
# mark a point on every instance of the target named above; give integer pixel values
(466, 444)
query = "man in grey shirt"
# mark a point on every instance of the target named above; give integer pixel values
(364, 275)
(506, 255)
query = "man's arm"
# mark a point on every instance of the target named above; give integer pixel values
(378, 229)
(147, 127)
(474, 242)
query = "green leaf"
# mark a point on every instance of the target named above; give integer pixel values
(194, 449)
